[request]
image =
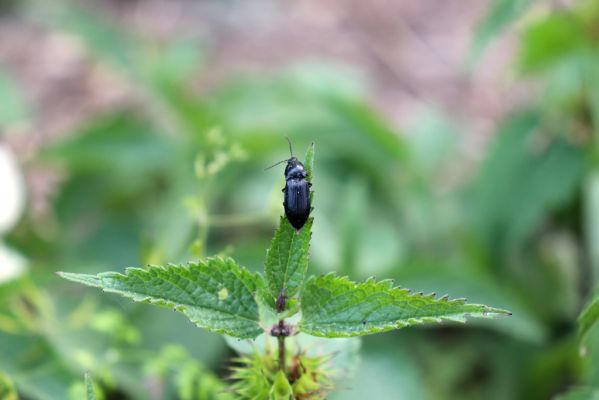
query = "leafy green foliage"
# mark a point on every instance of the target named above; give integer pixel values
(334, 306)
(191, 379)
(501, 14)
(580, 393)
(588, 317)
(215, 294)
(7, 389)
(549, 41)
(513, 191)
(89, 388)
(121, 195)
(223, 297)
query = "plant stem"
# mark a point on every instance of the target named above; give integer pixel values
(281, 340)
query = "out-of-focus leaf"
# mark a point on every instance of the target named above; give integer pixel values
(515, 189)
(7, 389)
(383, 375)
(550, 41)
(501, 14)
(13, 108)
(38, 373)
(115, 145)
(591, 194)
(580, 393)
(190, 379)
(476, 286)
(588, 317)
(90, 391)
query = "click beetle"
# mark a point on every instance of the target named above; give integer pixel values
(297, 191)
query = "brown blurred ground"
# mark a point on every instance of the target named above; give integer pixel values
(412, 52)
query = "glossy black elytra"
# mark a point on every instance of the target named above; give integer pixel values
(297, 192)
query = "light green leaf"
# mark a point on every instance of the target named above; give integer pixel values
(501, 14)
(191, 379)
(525, 160)
(334, 306)
(13, 108)
(287, 258)
(281, 389)
(309, 161)
(588, 317)
(90, 393)
(7, 389)
(215, 294)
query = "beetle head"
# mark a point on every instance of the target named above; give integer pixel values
(295, 169)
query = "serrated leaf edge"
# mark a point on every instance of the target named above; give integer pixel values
(479, 310)
(98, 279)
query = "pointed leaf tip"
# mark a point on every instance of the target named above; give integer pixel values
(215, 294)
(90, 393)
(334, 306)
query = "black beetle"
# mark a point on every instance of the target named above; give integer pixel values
(297, 191)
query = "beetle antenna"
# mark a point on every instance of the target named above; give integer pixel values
(289, 141)
(274, 165)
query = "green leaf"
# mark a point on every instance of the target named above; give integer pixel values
(287, 258)
(588, 317)
(525, 160)
(90, 393)
(190, 378)
(309, 161)
(7, 389)
(334, 306)
(215, 294)
(501, 14)
(580, 393)
(551, 41)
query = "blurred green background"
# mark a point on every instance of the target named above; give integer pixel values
(456, 153)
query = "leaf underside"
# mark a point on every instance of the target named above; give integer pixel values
(334, 306)
(215, 294)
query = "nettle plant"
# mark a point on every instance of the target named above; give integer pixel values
(282, 307)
